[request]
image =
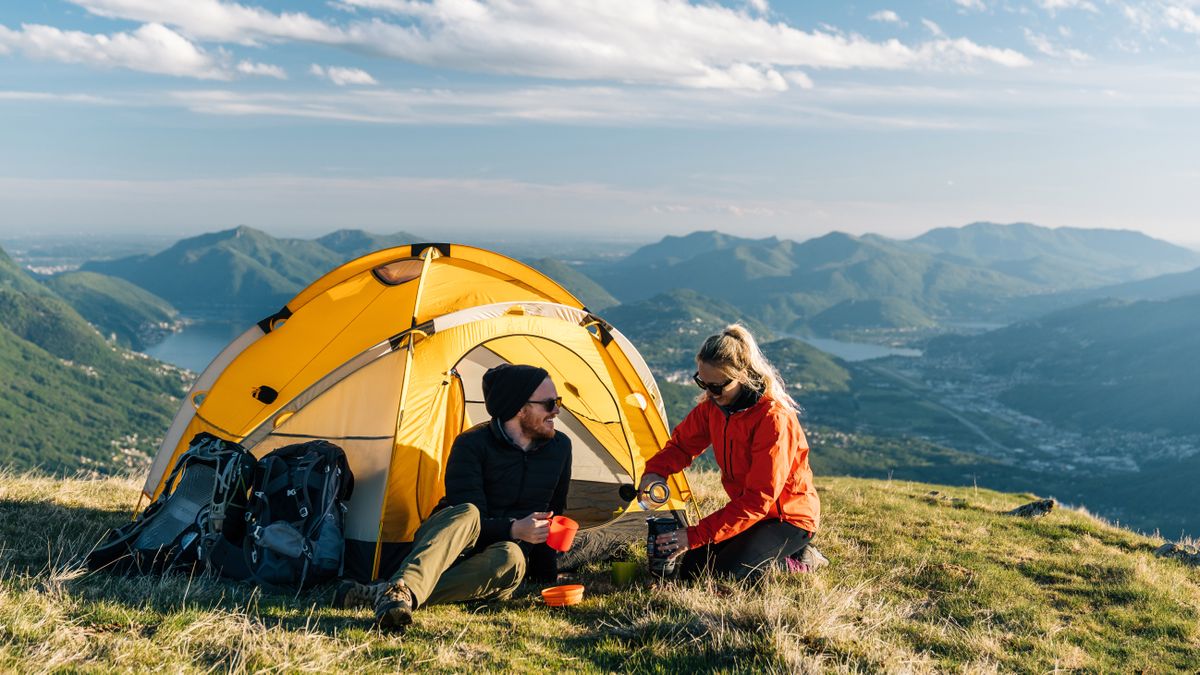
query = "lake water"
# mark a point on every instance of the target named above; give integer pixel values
(857, 351)
(197, 344)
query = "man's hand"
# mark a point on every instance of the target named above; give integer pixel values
(673, 544)
(533, 528)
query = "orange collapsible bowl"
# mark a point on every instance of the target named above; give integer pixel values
(561, 596)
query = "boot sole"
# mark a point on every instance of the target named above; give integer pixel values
(394, 616)
(339, 596)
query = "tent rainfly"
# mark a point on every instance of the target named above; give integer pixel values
(385, 356)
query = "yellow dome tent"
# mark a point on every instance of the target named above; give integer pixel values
(384, 356)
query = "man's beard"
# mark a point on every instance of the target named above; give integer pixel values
(533, 430)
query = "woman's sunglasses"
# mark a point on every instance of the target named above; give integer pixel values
(550, 404)
(714, 389)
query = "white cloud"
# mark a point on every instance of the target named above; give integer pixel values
(1140, 17)
(215, 20)
(759, 6)
(42, 96)
(579, 106)
(152, 48)
(263, 69)
(1182, 18)
(1054, 6)
(650, 42)
(799, 78)
(1042, 44)
(886, 16)
(933, 28)
(976, 5)
(343, 76)
(961, 51)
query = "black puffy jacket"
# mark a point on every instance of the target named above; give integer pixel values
(507, 483)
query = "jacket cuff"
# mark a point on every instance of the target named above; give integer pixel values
(695, 539)
(492, 530)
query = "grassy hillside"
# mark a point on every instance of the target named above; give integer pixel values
(68, 399)
(918, 583)
(134, 316)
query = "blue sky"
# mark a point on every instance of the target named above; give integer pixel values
(628, 119)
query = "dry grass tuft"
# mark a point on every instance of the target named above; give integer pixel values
(914, 587)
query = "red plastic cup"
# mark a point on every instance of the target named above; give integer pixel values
(562, 533)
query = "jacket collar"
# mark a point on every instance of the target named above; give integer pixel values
(748, 398)
(502, 436)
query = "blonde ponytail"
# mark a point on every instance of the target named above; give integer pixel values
(736, 353)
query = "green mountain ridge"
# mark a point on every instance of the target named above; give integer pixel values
(786, 283)
(131, 314)
(68, 399)
(355, 243)
(1115, 253)
(242, 270)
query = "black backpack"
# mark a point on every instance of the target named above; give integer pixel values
(296, 514)
(204, 498)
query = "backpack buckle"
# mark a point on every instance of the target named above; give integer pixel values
(303, 511)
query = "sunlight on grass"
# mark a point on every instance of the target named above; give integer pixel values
(916, 585)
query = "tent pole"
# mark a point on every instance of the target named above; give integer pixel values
(408, 360)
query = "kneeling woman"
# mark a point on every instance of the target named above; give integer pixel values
(750, 421)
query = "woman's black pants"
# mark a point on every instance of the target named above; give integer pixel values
(748, 555)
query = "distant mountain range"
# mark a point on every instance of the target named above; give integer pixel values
(241, 270)
(841, 282)
(248, 272)
(830, 284)
(1060, 258)
(69, 400)
(788, 284)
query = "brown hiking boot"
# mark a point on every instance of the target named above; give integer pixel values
(394, 607)
(351, 594)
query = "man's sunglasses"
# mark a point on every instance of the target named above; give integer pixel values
(550, 404)
(714, 389)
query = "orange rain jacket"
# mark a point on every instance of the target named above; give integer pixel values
(763, 456)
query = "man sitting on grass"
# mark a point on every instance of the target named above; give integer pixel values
(504, 480)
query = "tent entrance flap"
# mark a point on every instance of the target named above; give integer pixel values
(596, 474)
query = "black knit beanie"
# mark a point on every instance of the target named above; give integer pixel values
(507, 387)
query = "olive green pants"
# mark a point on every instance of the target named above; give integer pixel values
(436, 573)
